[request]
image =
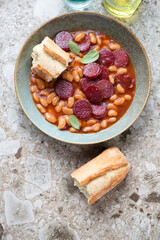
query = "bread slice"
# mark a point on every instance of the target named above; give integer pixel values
(101, 174)
(55, 51)
(49, 60)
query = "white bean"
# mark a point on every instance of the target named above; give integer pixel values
(104, 123)
(120, 89)
(50, 117)
(61, 122)
(112, 113)
(79, 36)
(114, 46)
(96, 127)
(112, 119)
(128, 97)
(112, 68)
(119, 101)
(113, 97)
(92, 38)
(121, 70)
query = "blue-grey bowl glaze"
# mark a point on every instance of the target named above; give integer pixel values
(80, 21)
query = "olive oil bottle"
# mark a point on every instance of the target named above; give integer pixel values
(121, 8)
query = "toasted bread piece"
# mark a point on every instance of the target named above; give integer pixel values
(101, 174)
(109, 159)
(55, 51)
(47, 62)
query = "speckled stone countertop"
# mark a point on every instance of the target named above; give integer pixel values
(37, 196)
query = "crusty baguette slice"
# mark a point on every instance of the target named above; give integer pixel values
(109, 159)
(49, 63)
(43, 73)
(116, 168)
(101, 185)
(55, 51)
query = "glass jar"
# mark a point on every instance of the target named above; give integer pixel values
(78, 4)
(121, 8)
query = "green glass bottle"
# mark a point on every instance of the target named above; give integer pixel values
(121, 8)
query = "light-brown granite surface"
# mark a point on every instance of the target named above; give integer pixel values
(37, 196)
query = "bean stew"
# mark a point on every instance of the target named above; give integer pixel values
(98, 93)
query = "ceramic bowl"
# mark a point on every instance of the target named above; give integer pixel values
(82, 21)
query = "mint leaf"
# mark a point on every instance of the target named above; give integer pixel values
(73, 47)
(91, 56)
(74, 121)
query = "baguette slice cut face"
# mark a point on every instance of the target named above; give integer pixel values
(101, 174)
(49, 60)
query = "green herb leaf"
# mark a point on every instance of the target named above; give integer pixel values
(91, 56)
(74, 121)
(73, 47)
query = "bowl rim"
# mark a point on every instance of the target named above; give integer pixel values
(92, 13)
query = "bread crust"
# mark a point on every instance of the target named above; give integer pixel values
(49, 60)
(43, 73)
(108, 160)
(55, 51)
(101, 174)
(106, 183)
